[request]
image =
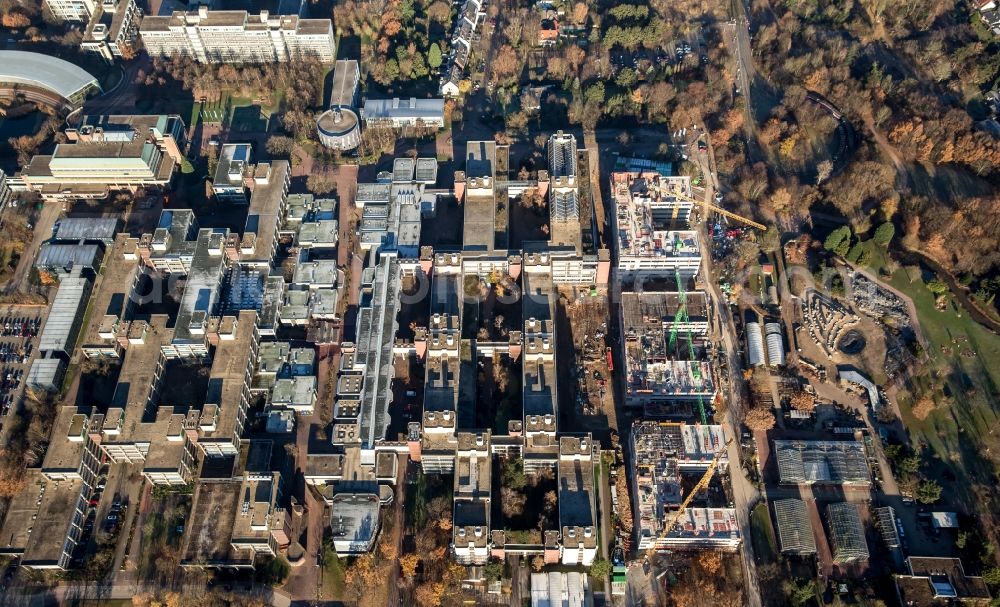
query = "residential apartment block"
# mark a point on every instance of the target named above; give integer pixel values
(237, 37)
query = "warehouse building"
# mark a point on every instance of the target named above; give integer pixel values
(88, 229)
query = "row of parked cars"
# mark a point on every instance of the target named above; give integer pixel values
(20, 326)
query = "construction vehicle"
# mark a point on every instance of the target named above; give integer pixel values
(700, 486)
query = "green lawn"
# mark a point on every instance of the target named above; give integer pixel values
(967, 380)
(765, 546)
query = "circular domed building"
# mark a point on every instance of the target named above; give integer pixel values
(339, 129)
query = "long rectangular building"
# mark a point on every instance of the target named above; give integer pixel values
(237, 37)
(108, 153)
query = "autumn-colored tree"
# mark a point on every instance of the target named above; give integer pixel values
(923, 407)
(439, 11)
(362, 575)
(408, 566)
(512, 502)
(803, 401)
(575, 56)
(429, 594)
(580, 13)
(321, 183)
(759, 418)
(537, 563)
(16, 20)
(505, 64)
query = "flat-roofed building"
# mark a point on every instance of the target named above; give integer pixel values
(399, 113)
(354, 522)
(72, 10)
(233, 520)
(661, 452)
(267, 209)
(114, 30)
(563, 589)
(665, 200)
(171, 246)
(229, 185)
(225, 36)
(112, 302)
(66, 258)
(62, 325)
(473, 492)
(703, 529)
(576, 499)
(223, 417)
(933, 581)
(658, 313)
(93, 229)
(106, 154)
(201, 295)
(295, 393)
(540, 395)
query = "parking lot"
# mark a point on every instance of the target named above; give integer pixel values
(19, 328)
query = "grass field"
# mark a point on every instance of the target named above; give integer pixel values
(765, 545)
(967, 412)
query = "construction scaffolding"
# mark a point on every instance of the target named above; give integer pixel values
(794, 527)
(829, 462)
(847, 533)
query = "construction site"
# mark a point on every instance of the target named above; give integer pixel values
(674, 509)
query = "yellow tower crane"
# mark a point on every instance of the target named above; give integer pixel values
(707, 206)
(698, 488)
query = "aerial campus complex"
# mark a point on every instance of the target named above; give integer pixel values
(245, 387)
(433, 304)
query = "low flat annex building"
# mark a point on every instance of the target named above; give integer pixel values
(106, 154)
(398, 113)
(237, 37)
(354, 522)
(940, 582)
